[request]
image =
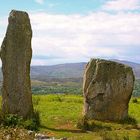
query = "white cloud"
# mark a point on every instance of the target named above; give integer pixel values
(80, 37)
(3, 24)
(39, 1)
(73, 38)
(119, 5)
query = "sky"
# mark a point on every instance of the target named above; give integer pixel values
(69, 31)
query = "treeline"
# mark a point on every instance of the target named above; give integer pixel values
(56, 89)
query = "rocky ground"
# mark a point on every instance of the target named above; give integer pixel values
(23, 134)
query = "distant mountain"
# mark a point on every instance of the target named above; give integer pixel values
(70, 71)
(135, 66)
(61, 72)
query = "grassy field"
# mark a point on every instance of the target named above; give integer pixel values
(70, 87)
(60, 113)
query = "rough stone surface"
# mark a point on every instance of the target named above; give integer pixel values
(16, 56)
(107, 88)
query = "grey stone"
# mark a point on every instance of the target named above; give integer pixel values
(107, 88)
(16, 56)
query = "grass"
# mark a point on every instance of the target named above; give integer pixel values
(58, 109)
(59, 114)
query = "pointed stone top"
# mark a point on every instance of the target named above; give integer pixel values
(19, 22)
(18, 11)
(18, 16)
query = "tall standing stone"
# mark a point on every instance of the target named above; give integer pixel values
(16, 56)
(107, 90)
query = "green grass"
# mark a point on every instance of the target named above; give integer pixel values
(60, 113)
(134, 110)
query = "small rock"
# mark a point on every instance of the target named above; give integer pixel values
(8, 137)
(30, 132)
(63, 139)
(39, 136)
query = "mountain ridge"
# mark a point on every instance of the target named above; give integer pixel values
(69, 71)
(72, 70)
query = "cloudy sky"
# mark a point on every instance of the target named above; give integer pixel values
(67, 31)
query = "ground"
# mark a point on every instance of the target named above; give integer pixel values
(60, 113)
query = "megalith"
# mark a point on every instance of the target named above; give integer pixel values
(16, 53)
(107, 88)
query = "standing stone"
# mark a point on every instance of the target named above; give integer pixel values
(16, 56)
(107, 90)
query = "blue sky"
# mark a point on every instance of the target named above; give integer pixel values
(52, 6)
(67, 31)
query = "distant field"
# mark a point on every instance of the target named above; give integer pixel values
(60, 113)
(69, 87)
(40, 87)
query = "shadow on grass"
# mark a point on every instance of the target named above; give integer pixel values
(129, 120)
(64, 130)
(85, 124)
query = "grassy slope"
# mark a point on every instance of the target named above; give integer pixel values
(60, 113)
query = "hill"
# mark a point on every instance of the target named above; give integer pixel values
(70, 71)
(135, 66)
